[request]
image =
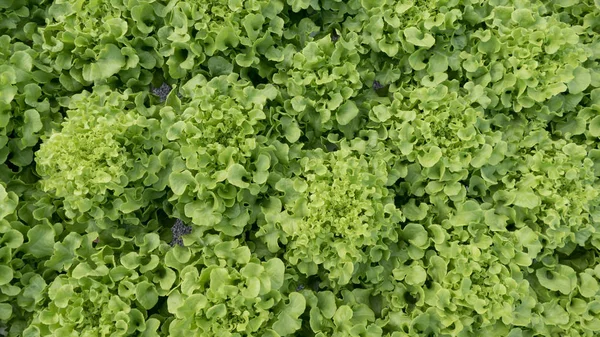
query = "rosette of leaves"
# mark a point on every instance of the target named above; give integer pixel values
(331, 212)
(228, 292)
(27, 234)
(222, 35)
(104, 289)
(523, 54)
(547, 183)
(575, 118)
(320, 83)
(109, 162)
(524, 58)
(10, 241)
(438, 124)
(221, 132)
(344, 313)
(441, 273)
(20, 19)
(28, 104)
(110, 41)
(557, 314)
(400, 27)
(576, 13)
(23, 279)
(439, 137)
(518, 222)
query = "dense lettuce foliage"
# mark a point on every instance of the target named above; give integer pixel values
(332, 213)
(319, 168)
(107, 162)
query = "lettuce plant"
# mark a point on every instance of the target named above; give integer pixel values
(221, 35)
(28, 103)
(228, 291)
(291, 168)
(108, 150)
(102, 42)
(345, 314)
(26, 241)
(333, 212)
(103, 293)
(20, 19)
(223, 150)
(320, 81)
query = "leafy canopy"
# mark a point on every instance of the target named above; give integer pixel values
(319, 168)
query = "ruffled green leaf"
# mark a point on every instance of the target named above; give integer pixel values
(40, 241)
(110, 61)
(346, 113)
(288, 322)
(180, 181)
(418, 38)
(594, 127)
(562, 279)
(146, 294)
(581, 81)
(236, 174)
(431, 157)
(588, 285)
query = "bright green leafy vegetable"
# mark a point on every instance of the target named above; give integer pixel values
(314, 168)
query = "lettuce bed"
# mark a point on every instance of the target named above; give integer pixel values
(321, 168)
